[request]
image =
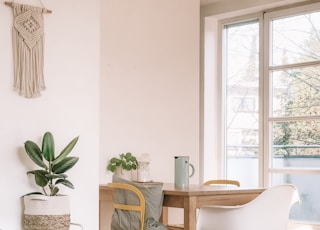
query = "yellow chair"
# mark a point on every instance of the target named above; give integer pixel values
(209, 182)
(225, 182)
(139, 208)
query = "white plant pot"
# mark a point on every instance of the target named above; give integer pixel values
(124, 174)
(46, 212)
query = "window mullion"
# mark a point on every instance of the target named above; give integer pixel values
(295, 65)
(297, 118)
(265, 132)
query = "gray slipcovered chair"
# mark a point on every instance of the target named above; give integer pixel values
(153, 197)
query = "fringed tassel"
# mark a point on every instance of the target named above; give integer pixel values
(28, 50)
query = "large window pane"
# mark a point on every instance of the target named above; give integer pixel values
(244, 169)
(294, 107)
(242, 101)
(296, 92)
(308, 188)
(287, 139)
(296, 144)
(296, 39)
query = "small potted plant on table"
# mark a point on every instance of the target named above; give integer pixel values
(48, 209)
(123, 165)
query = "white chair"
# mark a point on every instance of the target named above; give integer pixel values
(222, 182)
(269, 211)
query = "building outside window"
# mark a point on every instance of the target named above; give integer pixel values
(270, 102)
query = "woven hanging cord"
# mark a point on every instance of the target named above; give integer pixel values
(28, 48)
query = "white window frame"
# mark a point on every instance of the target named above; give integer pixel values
(268, 16)
(222, 151)
(212, 136)
(265, 169)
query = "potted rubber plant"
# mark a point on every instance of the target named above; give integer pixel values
(49, 209)
(123, 165)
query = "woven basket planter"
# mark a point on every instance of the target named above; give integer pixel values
(46, 212)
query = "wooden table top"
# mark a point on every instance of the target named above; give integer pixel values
(201, 190)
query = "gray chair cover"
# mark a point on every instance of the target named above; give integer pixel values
(129, 220)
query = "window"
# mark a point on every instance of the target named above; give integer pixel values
(241, 93)
(243, 104)
(271, 103)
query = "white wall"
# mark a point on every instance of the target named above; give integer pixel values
(68, 107)
(149, 95)
(150, 83)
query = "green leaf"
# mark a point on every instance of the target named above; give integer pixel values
(56, 176)
(114, 168)
(111, 167)
(54, 191)
(65, 182)
(40, 177)
(33, 193)
(115, 161)
(48, 146)
(66, 151)
(66, 164)
(34, 153)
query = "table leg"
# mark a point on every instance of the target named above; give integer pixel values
(164, 216)
(190, 213)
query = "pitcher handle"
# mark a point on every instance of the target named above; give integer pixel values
(192, 171)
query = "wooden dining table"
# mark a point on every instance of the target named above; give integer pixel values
(195, 196)
(190, 199)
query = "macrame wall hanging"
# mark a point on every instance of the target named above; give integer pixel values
(28, 49)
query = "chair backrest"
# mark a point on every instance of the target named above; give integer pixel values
(139, 208)
(232, 182)
(269, 211)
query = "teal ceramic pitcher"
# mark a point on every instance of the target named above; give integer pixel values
(181, 171)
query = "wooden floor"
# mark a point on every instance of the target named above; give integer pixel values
(292, 226)
(298, 226)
